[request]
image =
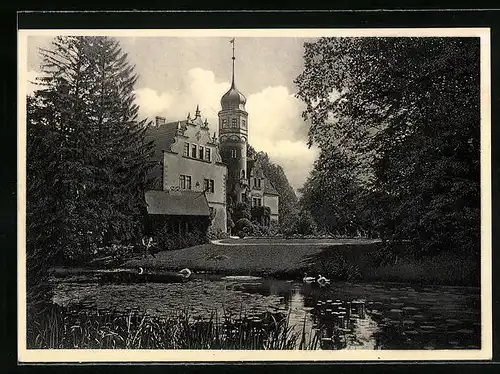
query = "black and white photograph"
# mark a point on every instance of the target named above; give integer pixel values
(254, 195)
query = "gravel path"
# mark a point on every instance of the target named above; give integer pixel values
(291, 242)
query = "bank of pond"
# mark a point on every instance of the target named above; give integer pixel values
(210, 311)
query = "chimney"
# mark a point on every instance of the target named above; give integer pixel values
(160, 121)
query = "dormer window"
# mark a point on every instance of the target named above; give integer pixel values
(234, 153)
(208, 154)
(257, 182)
(224, 123)
(243, 124)
(257, 201)
(234, 122)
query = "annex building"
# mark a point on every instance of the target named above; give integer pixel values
(199, 174)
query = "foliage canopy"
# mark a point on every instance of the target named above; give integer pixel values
(398, 123)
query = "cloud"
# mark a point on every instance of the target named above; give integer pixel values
(152, 103)
(294, 156)
(275, 123)
(277, 128)
(275, 113)
(197, 88)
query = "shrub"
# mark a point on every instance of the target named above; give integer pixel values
(305, 224)
(260, 230)
(261, 214)
(115, 250)
(338, 268)
(241, 210)
(274, 228)
(214, 234)
(168, 241)
(244, 223)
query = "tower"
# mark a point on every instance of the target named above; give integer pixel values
(233, 140)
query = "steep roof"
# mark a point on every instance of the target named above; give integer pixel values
(269, 189)
(177, 203)
(164, 137)
(233, 99)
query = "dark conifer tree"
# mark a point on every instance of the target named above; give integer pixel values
(87, 156)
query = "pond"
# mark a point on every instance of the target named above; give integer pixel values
(343, 315)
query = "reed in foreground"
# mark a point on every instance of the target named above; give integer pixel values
(63, 328)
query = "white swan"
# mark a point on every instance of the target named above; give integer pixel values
(186, 273)
(141, 270)
(322, 280)
(307, 279)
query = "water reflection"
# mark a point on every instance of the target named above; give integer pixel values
(340, 316)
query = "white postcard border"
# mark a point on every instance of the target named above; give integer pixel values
(76, 356)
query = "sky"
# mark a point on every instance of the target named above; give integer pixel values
(178, 73)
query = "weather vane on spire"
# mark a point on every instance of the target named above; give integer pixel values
(232, 42)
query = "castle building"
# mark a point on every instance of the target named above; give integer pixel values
(199, 175)
(189, 171)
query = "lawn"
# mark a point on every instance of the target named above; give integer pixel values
(290, 258)
(259, 259)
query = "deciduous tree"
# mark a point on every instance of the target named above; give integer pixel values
(408, 110)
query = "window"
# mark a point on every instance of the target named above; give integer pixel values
(234, 122)
(243, 123)
(186, 149)
(234, 154)
(201, 152)
(209, 185)
(257, 201)
(193, 150)
(207, 154)
(256, 182)
(224, 123)
(243, 174)
(243, 197)
(185, 182)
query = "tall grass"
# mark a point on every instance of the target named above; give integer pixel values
(363, 263)
(62, 328)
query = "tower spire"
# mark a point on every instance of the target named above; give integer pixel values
(233, 58)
